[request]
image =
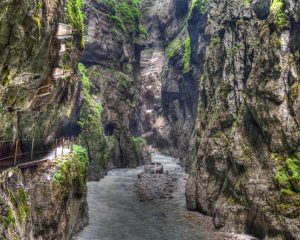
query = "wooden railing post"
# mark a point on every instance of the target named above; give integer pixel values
(63, 145)
(55, 151)
(32, 147)
(16, 152)
(72, 143)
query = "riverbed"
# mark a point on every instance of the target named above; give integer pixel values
(116, 213)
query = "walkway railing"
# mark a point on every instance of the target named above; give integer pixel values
(19, 151)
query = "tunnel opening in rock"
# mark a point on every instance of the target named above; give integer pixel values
(109, 129)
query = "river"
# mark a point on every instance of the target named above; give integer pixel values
(117, 214)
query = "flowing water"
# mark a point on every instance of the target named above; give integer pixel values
(117, 214)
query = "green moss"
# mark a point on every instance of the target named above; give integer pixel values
(124, 83)
(139, 141)
(187, 54)
(294, 91)
(91, 120)
(71, 172)
(278, 11)
(173, 48)
(83, 161)
(37, 15)
(75, 16)
(246, 154)
(282, 178)
(286, 192)
(19, 201)
(287, 174)
(143, 32)
(233, 49)
(7, 217)
(126, 15)
(246, 3)
(215, 40)
(198, 5)
(63, 174)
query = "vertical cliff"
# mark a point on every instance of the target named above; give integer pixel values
(245, 152)
(143, 63)
(113, 32)
(36, 101)
(48, 203)
(40, 97)
(170, 65)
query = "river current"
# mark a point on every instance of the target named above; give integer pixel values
(117, 214)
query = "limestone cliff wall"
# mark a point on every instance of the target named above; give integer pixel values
(29, 54)
(170, 66)
(245, 153)
(47, 203)
(112, 40)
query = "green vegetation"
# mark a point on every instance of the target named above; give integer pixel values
(139, 141)
(91, 121)
(233, 49)
(83, 160)
(75, 16)
(143, 32)
(69, 165)
(278, 11)
(63, 175)
(19, 201)
(215, 40)
(7, 217)
(173, 48)
(124, 83)
(287, 175)
(126, 15)
(294, 91)
(37, 15)
(200, 5)
(246, 3)
(187, 54)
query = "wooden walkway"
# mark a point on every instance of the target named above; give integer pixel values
(16, 154)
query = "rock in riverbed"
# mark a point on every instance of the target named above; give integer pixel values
(155, 186)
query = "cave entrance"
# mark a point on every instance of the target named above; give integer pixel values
(109, 129)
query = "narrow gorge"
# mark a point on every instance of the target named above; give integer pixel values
(150, 119)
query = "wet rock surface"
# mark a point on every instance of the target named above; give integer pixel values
(168, 95)
(34, 204)
(246, 138)
(111, 60)
(29, 53)
(155, 186)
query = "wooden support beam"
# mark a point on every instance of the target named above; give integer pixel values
(16, 152)
(32, 147)
(55, 152)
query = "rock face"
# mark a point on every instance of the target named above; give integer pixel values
(40, 98)
(111, 62)
(144, 90)
(49, 203)
(29, 54)
(245, 151)
(170, 64)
